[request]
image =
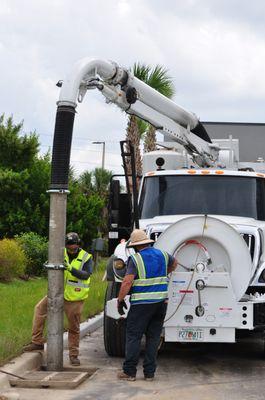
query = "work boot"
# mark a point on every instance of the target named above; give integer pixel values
(149, 378)
(33, 347)
(74, 361)
(124, 377)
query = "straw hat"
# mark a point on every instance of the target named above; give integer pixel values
(139, 237)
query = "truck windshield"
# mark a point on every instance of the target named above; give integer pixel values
(186, 194)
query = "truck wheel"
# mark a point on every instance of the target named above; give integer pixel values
(114, 330)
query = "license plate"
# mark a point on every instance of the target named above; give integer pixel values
(190, 335)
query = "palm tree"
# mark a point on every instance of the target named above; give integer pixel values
(101, 181)
(85, 181)
(95, 181)
(159, 80)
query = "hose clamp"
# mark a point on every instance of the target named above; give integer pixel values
(58, 191)
(54, 266)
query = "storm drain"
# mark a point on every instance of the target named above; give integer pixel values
(52, 379)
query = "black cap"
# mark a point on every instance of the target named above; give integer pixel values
(72, 238)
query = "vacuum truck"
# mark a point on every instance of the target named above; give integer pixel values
(197, 201)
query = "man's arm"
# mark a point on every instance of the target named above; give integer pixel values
(125, 286)
(127, 282)
(85, 272)
(172, 264)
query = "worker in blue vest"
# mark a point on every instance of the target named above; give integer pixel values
(147, 282)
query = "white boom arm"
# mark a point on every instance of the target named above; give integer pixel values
(120, 87)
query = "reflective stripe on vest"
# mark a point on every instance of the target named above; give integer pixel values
(153, 288)
(149, 296)
(76, 289)
(152, 281)
(78, 283)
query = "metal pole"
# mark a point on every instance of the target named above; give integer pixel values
(58, 200)
(103, 155)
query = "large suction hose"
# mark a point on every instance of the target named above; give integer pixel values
(62, 147)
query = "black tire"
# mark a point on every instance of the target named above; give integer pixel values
(109, 268)
(114, 330)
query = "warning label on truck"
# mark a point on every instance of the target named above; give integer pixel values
(181, 293)
(186, 297)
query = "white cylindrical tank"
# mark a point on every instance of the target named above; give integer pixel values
(226, 248)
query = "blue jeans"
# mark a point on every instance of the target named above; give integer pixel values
(143, 319)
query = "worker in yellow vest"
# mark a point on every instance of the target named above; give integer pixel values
(78, 268)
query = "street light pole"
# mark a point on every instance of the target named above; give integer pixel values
(103, 153)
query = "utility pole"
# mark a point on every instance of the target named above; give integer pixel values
(58, 200)
(103, 153)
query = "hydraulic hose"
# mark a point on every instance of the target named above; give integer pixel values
(62, 147)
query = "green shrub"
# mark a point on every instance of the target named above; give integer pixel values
(12, 260)
(36, 250)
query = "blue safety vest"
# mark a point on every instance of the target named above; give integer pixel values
(151, 285)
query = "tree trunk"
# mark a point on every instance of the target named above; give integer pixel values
(150, 140)
(132, 134)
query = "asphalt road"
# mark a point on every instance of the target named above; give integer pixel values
(215, 371)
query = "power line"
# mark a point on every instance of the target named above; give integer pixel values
(82, 149)
(95, 163)
(75, 137)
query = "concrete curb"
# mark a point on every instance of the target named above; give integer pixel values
(87, 327)
(30, 361)
(19, 365)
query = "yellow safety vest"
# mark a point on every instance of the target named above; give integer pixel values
(76, 289)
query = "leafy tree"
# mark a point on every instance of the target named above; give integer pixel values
(24, 179)
(17, 152)
(83, 212)
(87, 203)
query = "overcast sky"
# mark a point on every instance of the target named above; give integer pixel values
(214, 51)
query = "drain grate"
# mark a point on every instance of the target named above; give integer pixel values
(52, 379)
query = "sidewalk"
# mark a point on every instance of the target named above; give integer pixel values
(30, 361)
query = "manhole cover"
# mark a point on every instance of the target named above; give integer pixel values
(52, 379)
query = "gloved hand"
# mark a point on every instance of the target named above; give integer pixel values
(67, 266)
(121, 305)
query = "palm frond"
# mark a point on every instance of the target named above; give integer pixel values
(142, 127)
(160, 80)
(141, 71)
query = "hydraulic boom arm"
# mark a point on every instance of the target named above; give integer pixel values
(120, 87)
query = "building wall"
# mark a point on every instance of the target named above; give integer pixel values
(251, 137)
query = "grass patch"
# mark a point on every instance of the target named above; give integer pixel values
(95, 301)
(18, 299)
